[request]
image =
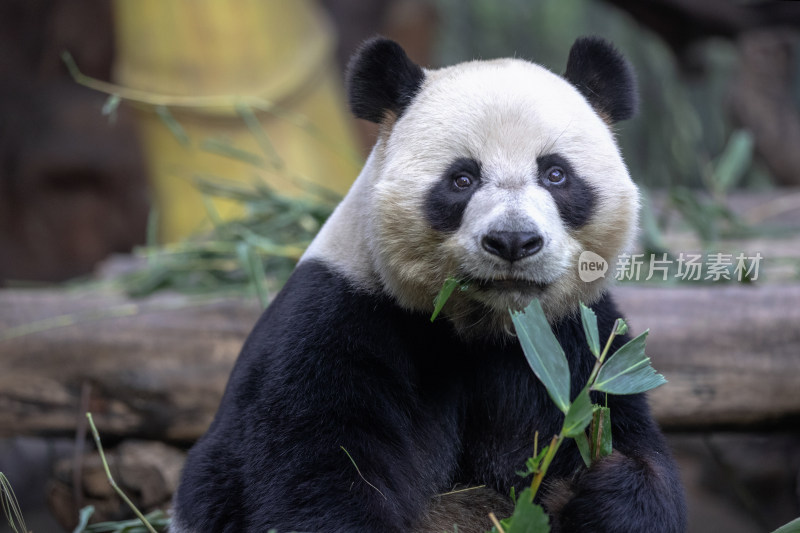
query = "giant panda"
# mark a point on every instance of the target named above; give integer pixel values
(348, 410)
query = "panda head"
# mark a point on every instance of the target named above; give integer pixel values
(499, 173)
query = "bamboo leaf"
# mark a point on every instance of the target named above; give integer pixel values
(211, 210)
(259, 133)
(532, 464)
(628, 371)
(72, 67)
(158, 519)
(602, 445)
(579, 415)
(584, 448)
(791, 527)
(83, 519)
(268, 246)
(173, 125)
(528, 517)
(543, 352)
(225, 149)
(110, 107)
(734, 161)
(589, 320)
(446, 291)
(226, 188)
(252, 264)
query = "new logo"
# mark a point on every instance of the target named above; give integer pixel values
(591, 266)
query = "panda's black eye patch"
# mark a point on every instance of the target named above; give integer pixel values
(574, 197)
(449, 196)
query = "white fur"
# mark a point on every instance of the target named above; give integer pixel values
(504, 114)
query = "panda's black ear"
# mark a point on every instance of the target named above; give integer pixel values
(604, 77)
(381, 79)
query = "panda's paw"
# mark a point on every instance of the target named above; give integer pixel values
(618, 494)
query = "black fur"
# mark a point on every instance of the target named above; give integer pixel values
(604, 77)
(574, 198)
(381, 79)
(418, 410)
(445, 205)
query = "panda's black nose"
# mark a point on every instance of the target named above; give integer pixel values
(512, 245)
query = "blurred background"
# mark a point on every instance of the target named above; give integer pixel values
(154, 147)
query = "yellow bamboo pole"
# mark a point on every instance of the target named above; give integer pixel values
(214, 64)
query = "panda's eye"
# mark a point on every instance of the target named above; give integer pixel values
(556, 175)
(462, 181)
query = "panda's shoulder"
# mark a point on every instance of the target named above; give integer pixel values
(322, 315)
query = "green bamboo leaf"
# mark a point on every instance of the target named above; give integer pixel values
(72, 67)
(219, 147)
(252, 264)
(602, 445)
(528, 517)
(791, 527)
(266, 245)
(110, 107)
(579, 415)
(589, 320)
(83, 519)
(628, 371)
(305, 124)
(532, 464)
(734, 161)
(260, 134)
(446, 291)
(543, 352)
(226, 188)
(211, 211)
(584, 448)
(157, 519)
(172, 125)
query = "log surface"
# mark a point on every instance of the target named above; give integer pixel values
(157, 367)
(731, 353)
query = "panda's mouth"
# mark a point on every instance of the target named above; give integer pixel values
(524, 286)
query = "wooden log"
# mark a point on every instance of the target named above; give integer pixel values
(157, 367)
(731, 353)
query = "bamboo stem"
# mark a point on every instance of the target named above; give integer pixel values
(599, 362)
(496, 523)
(111, 480)
(548, 458)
